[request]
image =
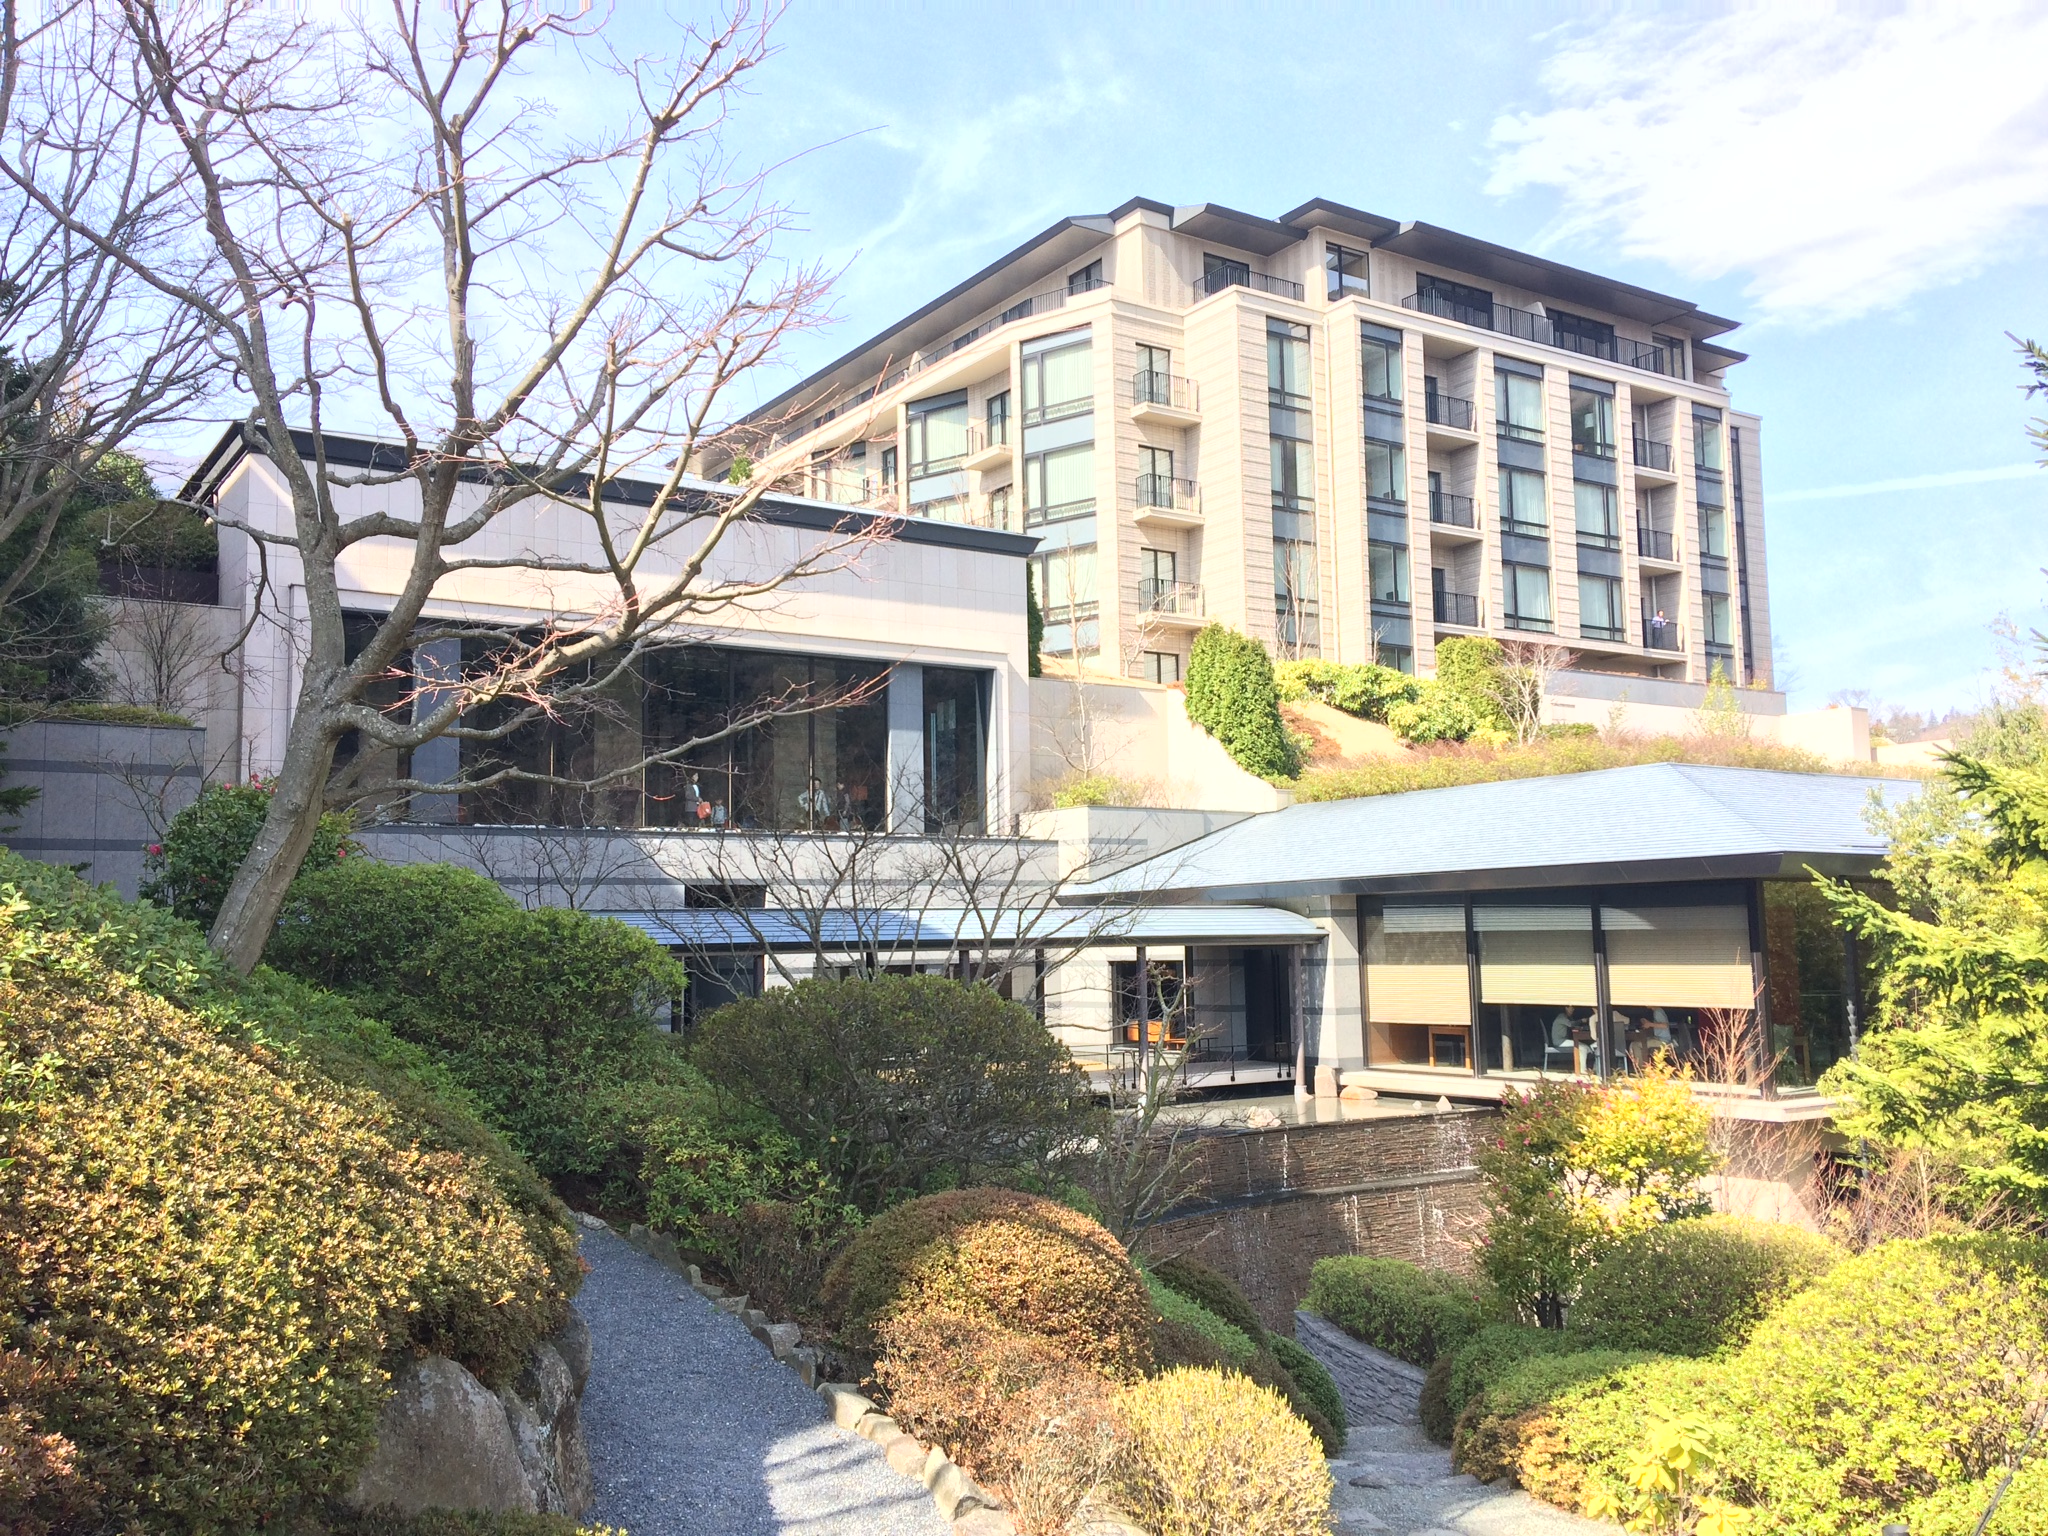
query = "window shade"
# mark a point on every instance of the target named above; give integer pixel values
(1541, 955)
(1678, 957)
(1415, 966)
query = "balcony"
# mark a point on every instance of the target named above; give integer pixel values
(1169, 501)
(1170, 602)
(986, 449)
(1450, 411)
(1214, 282)
(1449, 510)
(1656, 544)
(1530, 326)
(1661, 634)
(1653, 456)
(1163, 400)
(1458, 608)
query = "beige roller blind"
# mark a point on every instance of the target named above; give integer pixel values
(1540, 955)
(1415, 966)
(1678, 957)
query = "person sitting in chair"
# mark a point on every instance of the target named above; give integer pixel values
(1559, 1051)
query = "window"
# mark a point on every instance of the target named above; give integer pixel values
(1066, 582)
(1158, 576)
(999, 508)
(1416, 976)
(1162, 667)
(1576, 333)
(1348, 271)
(1155, 477)
(937, 433)
(1522, 508)
(1600, 610)
(1152, 384)
(1592, 422)
(955, 750)
(1536, 987)
(1519, 406)
(1059, 484)
(1287, 362)
(1382, 363)
(1718, 615)
(1294, 473)
(1084, 279)
(1386, 471)
(1527, 591)
(1220, 272)
(1295, 588)
(1706, 443)
(1059, 380)
(1454, 301)
(1400, 657)
(888, 470)
(998, 412)
(1598, 514)
(1389, 572)
(1714, 532)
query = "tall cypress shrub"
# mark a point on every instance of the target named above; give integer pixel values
(1232, 695)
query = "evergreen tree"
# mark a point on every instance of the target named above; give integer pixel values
(1232, 694)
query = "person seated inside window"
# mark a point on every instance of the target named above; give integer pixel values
(1558, 1050)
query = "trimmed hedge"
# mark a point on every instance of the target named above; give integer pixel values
(1314, 1380)
(1026, 1263)
(1213, 1452)
(1213, 1289)
(1412, 1313)
(1692, 1287)
(1231, 694)
(214, 1246)
(1229, 1341)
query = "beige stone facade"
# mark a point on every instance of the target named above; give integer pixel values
(1349, 436)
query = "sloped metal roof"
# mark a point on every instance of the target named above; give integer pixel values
(1658, 821)
(938, 928)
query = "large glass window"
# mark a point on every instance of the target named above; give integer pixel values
(1810, 984)
(1067, 596)
(1598, 514)
(1522, 505)
(937, 431)
(1578, 333)
(998, 416)
(1418, 989)
(1294, 472)
(1518, 403)
(1382, 362)
(1600, 608)
(1706, 443)
(1592, 422)
(1526, 589)
(1679, 982)
(1718, 619)
(1059, 379)
(1060, 484)
(1386, 470)
(1537, 987)
(1714, 532)
(1389, 572)
(1287, 360)
(1454, 301)
(956, 746)
(1348, 272)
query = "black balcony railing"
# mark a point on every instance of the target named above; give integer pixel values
(1452, 510)
(1653, 455)
(1460, 608)
(1450, 411)
(1149, 387)
(1445, 308)
(1169, 492)
(1220, 278)
(1655, 543)
(1530, 326)
(1660, 633)
(1180, 598)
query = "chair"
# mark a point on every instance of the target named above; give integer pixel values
(1560, 1045)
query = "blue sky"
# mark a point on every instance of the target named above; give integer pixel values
(1869, 193)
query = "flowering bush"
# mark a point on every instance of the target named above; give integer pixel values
(191, 869)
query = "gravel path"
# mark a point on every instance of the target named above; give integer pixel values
(1392, 1477)
(695, 1430)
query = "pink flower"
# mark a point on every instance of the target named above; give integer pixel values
(156, 848)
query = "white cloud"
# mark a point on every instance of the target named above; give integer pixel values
(1844, 161)
(1933, 482)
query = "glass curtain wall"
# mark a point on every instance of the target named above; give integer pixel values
(1537, 993)
(1058, 389)
(1296, 577)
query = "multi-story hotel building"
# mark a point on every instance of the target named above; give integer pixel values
(1350, 436)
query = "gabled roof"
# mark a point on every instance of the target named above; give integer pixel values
(1659, 821)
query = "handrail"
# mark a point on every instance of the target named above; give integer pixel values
(1452, 510)
(1650, 357)
(1655, 543)
(1149, 387)
(1450, 411)
(1651, 454)
(1171, 492)
(1171, 597)
(1214, 282)
(1460, 608)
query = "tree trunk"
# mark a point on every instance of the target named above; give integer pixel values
(250, 911)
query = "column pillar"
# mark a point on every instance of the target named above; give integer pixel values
(906, 749)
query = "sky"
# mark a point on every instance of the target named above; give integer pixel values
(1866, 189)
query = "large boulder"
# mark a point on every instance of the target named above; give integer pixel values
(444, 1442)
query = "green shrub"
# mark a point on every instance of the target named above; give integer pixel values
(213, 1247)
(1021, 1261)
(1213, 1289)
(1232, 1343)
(1490, 1354)
(1433, 1405)
(1437, 713)
(1097, 789)
(191, 869)
(1412, 1313)
(1313, 1377)
(1692, 1287)
(1531, 1422)
(1955, 1511)
(1365, 690)
(948, 1084)
(350, 926)
(1231, 694)
(1213, 1452)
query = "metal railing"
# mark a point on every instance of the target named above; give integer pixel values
(1169, 492)
(1452, 510)
(1592, 448)
(1216, 281)
(1651, 454)
(1460, 608)
(1450, 411)
(980, 439)
(1175, 599)
(1169, 389)
(1660, 636)
(1530, 326)
(1655, 543)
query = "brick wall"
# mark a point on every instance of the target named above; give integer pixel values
(1273, 1202)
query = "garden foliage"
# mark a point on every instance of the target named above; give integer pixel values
(222, 1229)
(901, 1085)
(1232, 694)
(1412, 1313)
(1213, 1453)
(1693, 1287)
(191, 869)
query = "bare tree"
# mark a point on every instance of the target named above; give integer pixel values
(163, 656)
(1528, 673)
(91, 355)
(387, 222)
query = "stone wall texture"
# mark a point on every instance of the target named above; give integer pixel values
(1270, 1203)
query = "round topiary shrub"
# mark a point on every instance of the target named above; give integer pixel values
(1212, 1452)
(352, 924)
(1692, 1287)
(1412, 1313)
(1028, 1263)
